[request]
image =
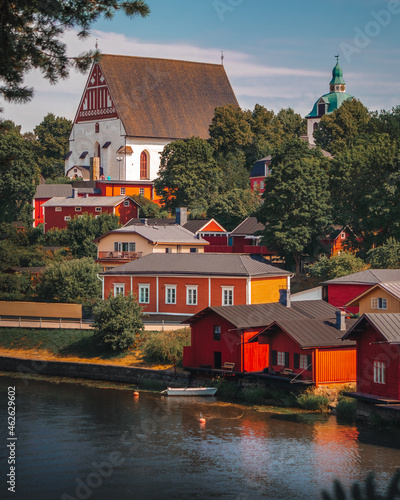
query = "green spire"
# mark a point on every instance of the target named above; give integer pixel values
(337, 74)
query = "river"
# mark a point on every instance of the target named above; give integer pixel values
(78, 441)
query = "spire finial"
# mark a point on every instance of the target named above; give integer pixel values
(222, 57)
(337, 59)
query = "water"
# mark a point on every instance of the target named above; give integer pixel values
(98, 442)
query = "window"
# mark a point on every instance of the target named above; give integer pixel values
(141, 191)
(227, 296)
(144, 165)
(122, 191)
(119, 289)
(126, 203)
(262, 185)
(193, 250)
(280, 358)
(58, 209)
(80, 216)
(97, 128)
(124, 246)
(255, 184)
(78, 209)
(97, 209)
(170, 294)
(144, 294)
(67, 217)
(342, 235)
(379, 372)
(191, 295)
(378, 303)
(302, 361)
(168, 250)
(217, 332)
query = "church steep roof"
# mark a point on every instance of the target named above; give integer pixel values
(165, 98)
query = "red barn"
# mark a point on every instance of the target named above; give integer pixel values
(378, 355)
(340, 291)
(229, 334)
(58, 211)
(44, 192)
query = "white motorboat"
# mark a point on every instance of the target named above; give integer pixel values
(190, 391)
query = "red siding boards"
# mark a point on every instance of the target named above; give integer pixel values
(339, 295)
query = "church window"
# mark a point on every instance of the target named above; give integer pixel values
(97, 128)
(321, 109)
(315, 126)
(144, 165)
(97, 149)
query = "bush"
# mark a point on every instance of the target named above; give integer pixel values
(165, 347)
(117, 322)
(312, 402)
(346, 408)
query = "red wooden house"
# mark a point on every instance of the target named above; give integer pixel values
(58, 211)
(336, 241)
(244, 238)
(237, 335)
(340, 291)
(378, 355)
(44, 192)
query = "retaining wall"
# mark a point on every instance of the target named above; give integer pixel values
(92, 371)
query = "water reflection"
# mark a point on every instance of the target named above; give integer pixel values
(155, 447)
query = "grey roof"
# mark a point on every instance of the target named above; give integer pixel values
(259, 167)
(51, 190)
(205, 264)
(151, 221)
(161, 234)
(255, 315)
(91, 201)
(387, 324)
(195, 225)
(248, 227)
(367, 277)
(315, 332)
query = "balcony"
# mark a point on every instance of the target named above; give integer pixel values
(119, 255)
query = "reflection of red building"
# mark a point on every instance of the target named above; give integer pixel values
(58, 211)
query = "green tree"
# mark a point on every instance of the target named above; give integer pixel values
(342, 128)
(230, 129)
(117, 322)
(52, 144)
(296, 200)
(230, 208)
(388, 122)
(74, 281)
(335, 267)
(292, 123)
(31, 38)
(386, 256)
(19, 175)
(188, 176)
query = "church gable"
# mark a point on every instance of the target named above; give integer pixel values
(96, 103)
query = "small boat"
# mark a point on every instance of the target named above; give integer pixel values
(190, 391)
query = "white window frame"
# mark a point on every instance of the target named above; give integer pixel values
(342, 235)
(67, 218)
(280, 358)
(78, 209)
(126, 203)
(98, 209)
(58, 209)
(378, 303)
(119, 289)
(228, 295)
(170, 294)
(141, 191)
(379, 372)
(144, 293)
(191, 295)
(122, 191)
(303, 362)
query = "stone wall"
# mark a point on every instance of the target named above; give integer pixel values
(92, 371)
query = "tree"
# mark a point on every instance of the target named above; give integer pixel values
(73, 281)
(117, 321)
(292, 123)
(19, 175)
(188, 176)
(52, 145)
(386, 256)
(31, 32)
(230, 208)
(335, 267)
(342, 128)
(230, 129)
(296, 200)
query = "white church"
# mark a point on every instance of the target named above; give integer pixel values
(132, 107)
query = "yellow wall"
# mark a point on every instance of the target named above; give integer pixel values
(264, 290)
(40, 309)
(393, 304)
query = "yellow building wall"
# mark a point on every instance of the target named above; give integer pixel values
(265, 290)
(393, 304)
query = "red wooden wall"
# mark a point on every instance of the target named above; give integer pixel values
(339, 295)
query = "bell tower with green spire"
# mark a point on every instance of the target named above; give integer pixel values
(327, 103)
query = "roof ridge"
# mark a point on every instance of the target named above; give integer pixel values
(159, 59)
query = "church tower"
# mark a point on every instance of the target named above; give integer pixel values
(329, 102)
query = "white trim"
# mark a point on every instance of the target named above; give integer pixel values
(248, 291)
(119, 285)
(147, 286)
(192, 287)
(209, 292)
(172, 295)
(227, 289)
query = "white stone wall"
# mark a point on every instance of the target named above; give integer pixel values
(310, 129)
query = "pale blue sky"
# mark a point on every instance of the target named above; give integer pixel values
(278, 54)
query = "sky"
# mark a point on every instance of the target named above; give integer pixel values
(277, 54)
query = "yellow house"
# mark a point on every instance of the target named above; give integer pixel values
(381, 298)
(131, 242)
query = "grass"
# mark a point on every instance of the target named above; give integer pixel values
(312, 402)
(165, 347)
(346, 408)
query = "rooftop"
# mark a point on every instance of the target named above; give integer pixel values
(367, 277)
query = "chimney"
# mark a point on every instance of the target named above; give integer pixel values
(341, 320)
(74, 193)
(181, 216)
(143, 221)
(86, 195)
(284, 297)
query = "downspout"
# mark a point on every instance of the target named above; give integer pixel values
(248, 290)
(102, 286)
(242, 351)
(315, 354)
(209, 292)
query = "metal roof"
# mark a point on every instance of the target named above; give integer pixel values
(259, 167)
(91, 201)
(367, 277)
(248, 227)
(387, 324)
(204, 264)
(160, 234)
(51, 190)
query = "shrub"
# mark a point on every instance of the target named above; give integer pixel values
(312, 402)
(346, 408)
(165, 347)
